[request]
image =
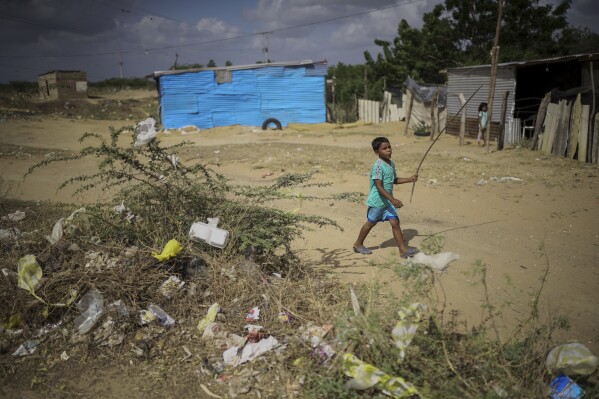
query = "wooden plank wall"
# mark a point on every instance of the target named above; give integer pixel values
(568, 130)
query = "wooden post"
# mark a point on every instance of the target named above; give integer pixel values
(365, 82)
(584, 132)
(409, 114)
(463, 120)
(501, 138)
(334, 103)
(433, 120)
(593, 139)
(574, 128)
(494, 61)
(541, 113)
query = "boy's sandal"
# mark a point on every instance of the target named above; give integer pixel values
(410, 252)
(362, 250)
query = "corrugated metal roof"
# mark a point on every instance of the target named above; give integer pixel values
(574, 57)
(316, 66)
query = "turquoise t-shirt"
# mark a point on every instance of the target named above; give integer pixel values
(385, 172)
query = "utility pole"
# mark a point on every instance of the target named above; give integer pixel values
(334, 104)
(494, 60)
(121, 68)
(265, 49)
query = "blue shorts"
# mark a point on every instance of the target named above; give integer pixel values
(375, 215)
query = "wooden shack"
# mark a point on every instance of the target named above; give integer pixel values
(62, 85)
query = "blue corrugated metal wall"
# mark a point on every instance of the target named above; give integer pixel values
(291, 94)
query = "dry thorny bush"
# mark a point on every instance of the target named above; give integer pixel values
(111, 253)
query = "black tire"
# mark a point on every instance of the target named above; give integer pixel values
(269, 121)
(422, 134)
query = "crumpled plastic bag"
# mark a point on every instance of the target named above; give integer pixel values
(406, 327)
(29, 273)
(17, 216)
(171, 249)
(250, 351)
(59, 226)
(209, 318)
(146, 131)
(438, 262)
(91, 306)
(366, 376)
(571, 359)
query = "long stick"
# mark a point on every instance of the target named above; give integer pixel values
(439, 135)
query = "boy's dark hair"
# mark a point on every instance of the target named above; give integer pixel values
(480, 107)
(376, 143)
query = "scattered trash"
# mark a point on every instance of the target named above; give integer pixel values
(481, 182)
(174, 160)
(120, 308)
(315, 334)
(120, 208)
(432, 182)
(253, 315)
(91, 306)
(438, 262)
(171, 249)
(212, 330)
(59, 226)
(562, 387)
(15, 216)
(323, 353)
(27, 348)
(267, 174)
(506, 178)
(146, 131)
(354, 301)
(571, 359)
(284, 317)
(466, 159)
(160, 315)
(171, 286)
(510, 178)
(249, 352)
(124, 212)
(366, 376)
(209, 233)
(64, 356)
(209, 318)
(406, 327)
(9, 234)
(29, 273)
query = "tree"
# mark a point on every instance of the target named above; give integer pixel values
(460, 32)
(211, 64)
(228, 63)
(419, 53)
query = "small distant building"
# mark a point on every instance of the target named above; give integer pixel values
(62, 85)
(249, 95)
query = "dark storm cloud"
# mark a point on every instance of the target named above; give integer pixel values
(30, 20)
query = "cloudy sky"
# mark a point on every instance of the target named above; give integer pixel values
(37, 36)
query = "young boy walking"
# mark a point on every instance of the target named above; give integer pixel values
(381, 203)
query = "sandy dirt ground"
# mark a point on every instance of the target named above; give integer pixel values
(554, 203)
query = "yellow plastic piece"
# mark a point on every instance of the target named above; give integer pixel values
(30, 273)
(209, 318)
(366, 376)
(171, 249)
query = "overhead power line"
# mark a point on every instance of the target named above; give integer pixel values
(44, 25)
(243, 36)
